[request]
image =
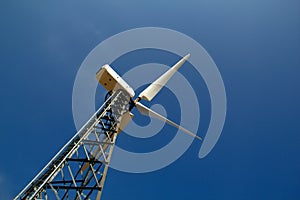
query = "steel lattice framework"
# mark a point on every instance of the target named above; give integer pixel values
(79, 169)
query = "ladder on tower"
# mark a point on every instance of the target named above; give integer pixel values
(79, 169)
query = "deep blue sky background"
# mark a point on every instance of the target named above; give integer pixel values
(255, 44)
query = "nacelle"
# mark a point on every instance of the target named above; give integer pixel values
(112, 81)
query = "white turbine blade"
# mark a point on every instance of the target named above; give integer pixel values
(152, 90)
(148, 112)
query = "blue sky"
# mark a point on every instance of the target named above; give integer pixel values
(255, 44)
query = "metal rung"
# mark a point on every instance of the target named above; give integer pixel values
(64, 182)
(91, 142)
(73, 187)
(83, 160)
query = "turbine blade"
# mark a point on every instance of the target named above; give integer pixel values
(148, 112)
(152, 90)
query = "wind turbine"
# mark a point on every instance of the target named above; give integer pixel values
(112, 82)
(79, 169)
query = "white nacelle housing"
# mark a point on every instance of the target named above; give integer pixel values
(111, 81)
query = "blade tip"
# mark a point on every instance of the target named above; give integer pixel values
(187, 56)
